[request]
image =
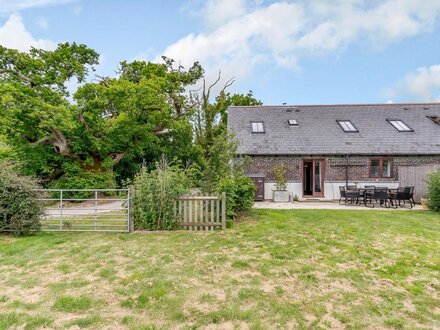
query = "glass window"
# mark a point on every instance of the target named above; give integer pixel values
(381, 168)
(347, 126)
(375, 165)
(399, 125)
(386, 168)
(258, 127)
(318, 176)
(293, 122)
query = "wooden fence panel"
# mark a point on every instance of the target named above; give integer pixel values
(201, 212)
(416, 176)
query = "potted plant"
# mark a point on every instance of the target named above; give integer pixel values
(280, 194)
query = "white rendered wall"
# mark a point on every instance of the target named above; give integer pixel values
(331, 189)
(292, 187)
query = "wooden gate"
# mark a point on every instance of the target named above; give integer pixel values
(416, 176)
(201, 212)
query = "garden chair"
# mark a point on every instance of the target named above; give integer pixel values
(411, 194)
(368, 195)
(402, 194)
(352, 195)
(342, 194)
(381, 194)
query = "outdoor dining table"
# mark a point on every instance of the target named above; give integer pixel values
(363, 191)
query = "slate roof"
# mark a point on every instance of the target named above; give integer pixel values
(318, 133)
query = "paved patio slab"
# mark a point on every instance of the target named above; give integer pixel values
(327, 205)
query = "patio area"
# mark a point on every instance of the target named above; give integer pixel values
(326, 205)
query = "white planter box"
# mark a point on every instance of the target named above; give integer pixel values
(280, 196)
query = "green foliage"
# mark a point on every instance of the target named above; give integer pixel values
(155, 193)
(210, 118)
(136, 116)
(434, 191)
(5, 150)
(242, 99)
(115, 124)
(279, 172)
(85, 180)
(217, 164)
(210, 122)
(240, 191)
(19, 209)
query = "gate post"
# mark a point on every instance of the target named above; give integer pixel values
(223, 210)
(130, 220)
(61, 209)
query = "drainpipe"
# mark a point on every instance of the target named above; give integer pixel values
(346, 170)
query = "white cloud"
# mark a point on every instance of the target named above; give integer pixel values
(240, 34)
(243, 41)
(42, 23)
(12, 6)
(216, 13)
(13, 34)
(423, 84)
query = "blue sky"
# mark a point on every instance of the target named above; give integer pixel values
(297, 52)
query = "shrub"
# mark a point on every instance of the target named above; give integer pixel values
(217, 164)
(279, 172)
(5, 151)
(433, 193)
(19, 209)
(84, 180)
(240, 191)
(155, 193)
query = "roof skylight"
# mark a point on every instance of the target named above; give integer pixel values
(435, 119)
(293, 122)
(400, 126)
(347, 126)
(258, 127)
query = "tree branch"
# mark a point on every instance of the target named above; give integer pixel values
(61, 144)
(228, 84)
(213, 84)
(45, 140)
(118, 157)
(83, 121)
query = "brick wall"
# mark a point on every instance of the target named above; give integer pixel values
(359, 166)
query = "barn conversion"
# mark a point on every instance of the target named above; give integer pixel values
(326, 146)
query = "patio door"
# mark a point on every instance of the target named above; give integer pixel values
(313, 177)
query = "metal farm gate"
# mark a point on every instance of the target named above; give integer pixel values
(95, 210)
(416, 176)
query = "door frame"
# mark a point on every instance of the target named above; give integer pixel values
(313, 161)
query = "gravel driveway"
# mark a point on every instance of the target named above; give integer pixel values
(85, 209)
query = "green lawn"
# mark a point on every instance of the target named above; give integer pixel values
(278, 269)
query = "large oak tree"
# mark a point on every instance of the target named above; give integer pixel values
(139, 114)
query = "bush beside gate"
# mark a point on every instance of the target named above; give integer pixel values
(20, 210)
